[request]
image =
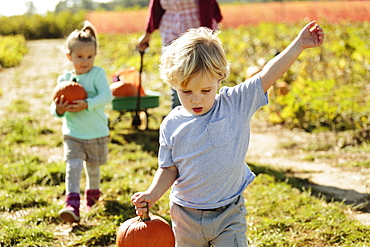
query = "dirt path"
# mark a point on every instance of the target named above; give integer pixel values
(351, 185)
(35, 78)
(32, 81)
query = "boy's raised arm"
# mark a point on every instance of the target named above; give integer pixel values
(311, 35)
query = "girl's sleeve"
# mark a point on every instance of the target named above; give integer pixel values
(104, 94)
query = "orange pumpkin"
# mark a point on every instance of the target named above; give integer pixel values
(71, 91)
(122, 88)
(126, 83)
(146, 231)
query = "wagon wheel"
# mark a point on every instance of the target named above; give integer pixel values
(144, 120)
(143, 116)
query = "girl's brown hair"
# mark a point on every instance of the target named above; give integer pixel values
(86, 34)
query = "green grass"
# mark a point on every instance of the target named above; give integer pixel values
(283, 212)
(282, 209)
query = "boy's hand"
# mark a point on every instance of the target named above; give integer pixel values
(140, 200)
(311, 35)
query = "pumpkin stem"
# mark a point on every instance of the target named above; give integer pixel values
(145, 216)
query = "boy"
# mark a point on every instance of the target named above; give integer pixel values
(203, 143)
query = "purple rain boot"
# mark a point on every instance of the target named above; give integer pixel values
(92, 196)
(71, 213)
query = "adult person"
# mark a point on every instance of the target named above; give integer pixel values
(174, 17)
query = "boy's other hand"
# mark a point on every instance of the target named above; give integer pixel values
(311, 35)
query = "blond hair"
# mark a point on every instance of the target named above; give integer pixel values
(198, 50)
(86, 34)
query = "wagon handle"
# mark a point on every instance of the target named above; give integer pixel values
(136, 121)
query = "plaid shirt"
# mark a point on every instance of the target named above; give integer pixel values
(179, 16)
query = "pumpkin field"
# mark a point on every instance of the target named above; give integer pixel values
(235, 15)
(326, 104)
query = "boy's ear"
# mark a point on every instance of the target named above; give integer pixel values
(68, 56)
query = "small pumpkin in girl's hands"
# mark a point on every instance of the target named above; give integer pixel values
(71, 91)
(145, 231)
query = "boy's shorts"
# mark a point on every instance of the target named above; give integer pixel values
(222, 227)
(93, 151)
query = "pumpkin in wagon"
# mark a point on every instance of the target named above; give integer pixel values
(145, 231)
(126, 83)
(71, 90)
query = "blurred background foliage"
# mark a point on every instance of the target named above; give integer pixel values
(327, 89)
(49, 26)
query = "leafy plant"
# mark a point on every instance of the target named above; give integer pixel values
(12, 49)
(42, 27)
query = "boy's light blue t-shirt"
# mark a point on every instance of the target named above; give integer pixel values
(209, 150)
(90, 123)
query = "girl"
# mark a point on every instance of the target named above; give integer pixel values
(85, 126)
